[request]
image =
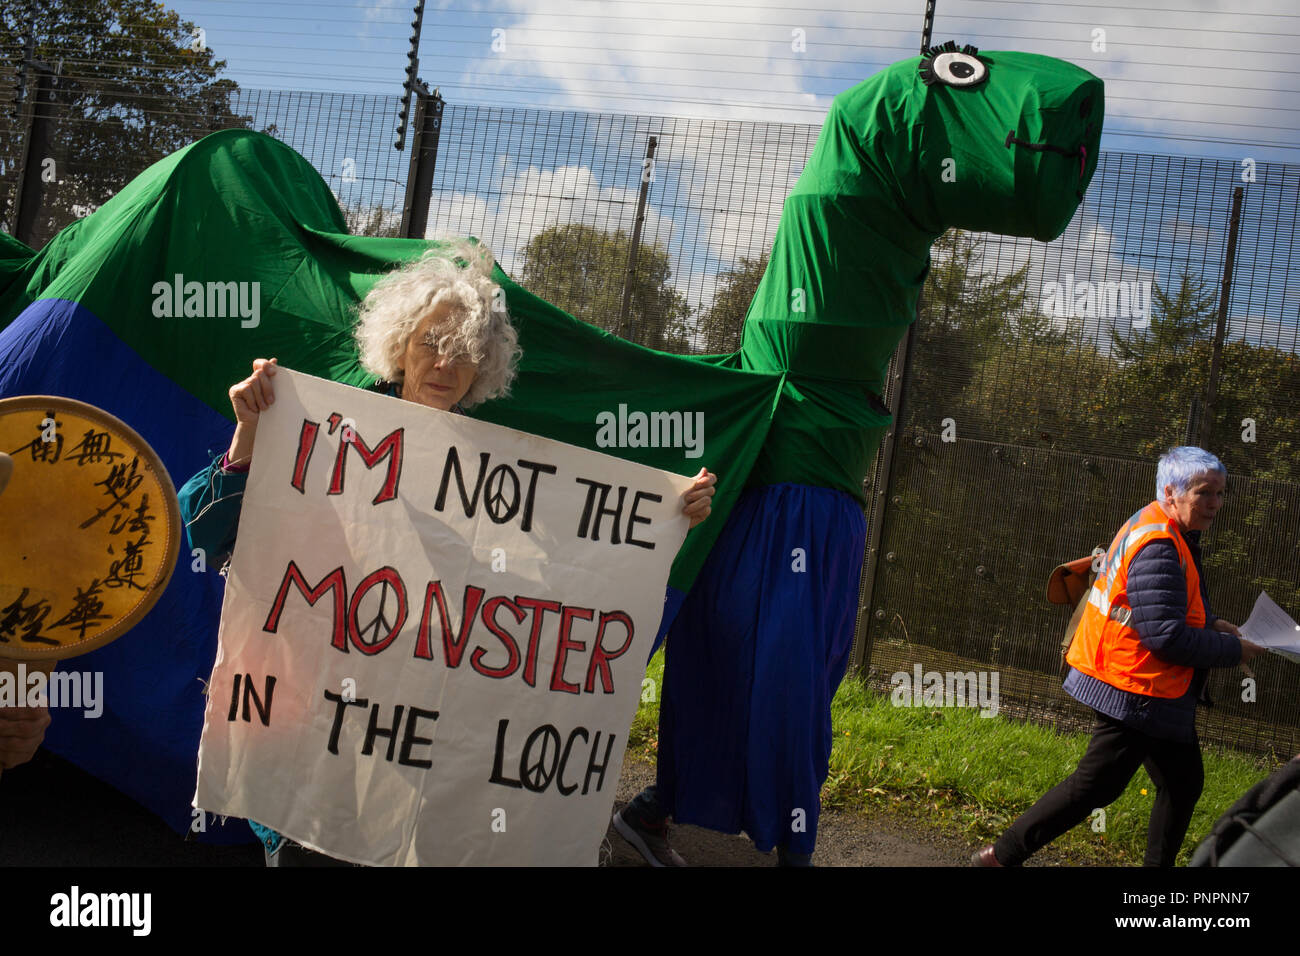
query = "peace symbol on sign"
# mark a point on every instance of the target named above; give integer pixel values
(380, 618)
(533, 771)
(377, 625)
(494, 494)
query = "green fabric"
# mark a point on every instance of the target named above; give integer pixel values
(794, 404)
(15, 262)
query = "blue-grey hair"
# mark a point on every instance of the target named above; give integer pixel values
(1178, 466)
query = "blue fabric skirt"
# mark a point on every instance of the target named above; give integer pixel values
(753, 658)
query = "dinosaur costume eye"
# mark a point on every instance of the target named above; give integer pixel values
(949, 66)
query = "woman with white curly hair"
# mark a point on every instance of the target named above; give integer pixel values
(435, 332)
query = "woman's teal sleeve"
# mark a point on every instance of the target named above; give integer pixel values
(210, 505)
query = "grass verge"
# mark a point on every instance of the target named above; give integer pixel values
(972, 776)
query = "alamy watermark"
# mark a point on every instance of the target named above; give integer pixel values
(1098, 300)
(76, 908)
(208, 300)
(950, 689)
(35, 688)
(653, 430)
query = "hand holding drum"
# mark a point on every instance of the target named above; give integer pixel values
(90, 528)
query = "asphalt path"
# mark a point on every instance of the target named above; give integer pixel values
(53, 814)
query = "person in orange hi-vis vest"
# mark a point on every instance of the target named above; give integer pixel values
(1140, 658)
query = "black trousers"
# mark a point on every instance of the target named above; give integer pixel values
(1112, 758)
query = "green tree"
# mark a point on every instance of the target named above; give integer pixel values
(135, 83)
(1256, 414)
(721, 324)
(1161, 369)
(1040, 387)
(1178, 322)
(366, 220)
(580, 269)
(966, 315)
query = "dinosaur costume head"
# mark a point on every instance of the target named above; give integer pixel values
(991, 142)
(998, 142)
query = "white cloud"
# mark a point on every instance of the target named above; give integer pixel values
(531, 200)
(706, 61)
(380, 9)
(1195, 77)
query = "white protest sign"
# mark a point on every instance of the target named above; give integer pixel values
(434, 633)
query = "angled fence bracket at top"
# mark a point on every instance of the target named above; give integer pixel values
(424, 161)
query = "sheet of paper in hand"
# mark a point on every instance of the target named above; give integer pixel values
(1270, 626)
(434, 633)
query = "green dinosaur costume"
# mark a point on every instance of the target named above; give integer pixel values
(999, 142)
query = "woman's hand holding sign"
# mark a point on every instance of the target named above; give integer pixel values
(697, 497)
(249, 399)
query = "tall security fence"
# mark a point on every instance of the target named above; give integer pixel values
(1039, 384)
(1045, 381)
(68, 145)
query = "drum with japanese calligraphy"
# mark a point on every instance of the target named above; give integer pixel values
(89, 528)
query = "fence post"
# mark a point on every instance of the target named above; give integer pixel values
(887, 456)
(860, 654)
(1192, 434)
(927, 25)
(30, 196)
(1216, 357)
(629, 276)
(424, 161)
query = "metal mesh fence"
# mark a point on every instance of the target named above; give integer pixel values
(1046, 381)
(89, 158)
(349, 139)
(541, 187)
(1079, 361)
(1043, 382)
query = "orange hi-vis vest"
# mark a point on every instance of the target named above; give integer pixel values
(1104, 646)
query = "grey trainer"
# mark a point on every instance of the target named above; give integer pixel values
(650, 842)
